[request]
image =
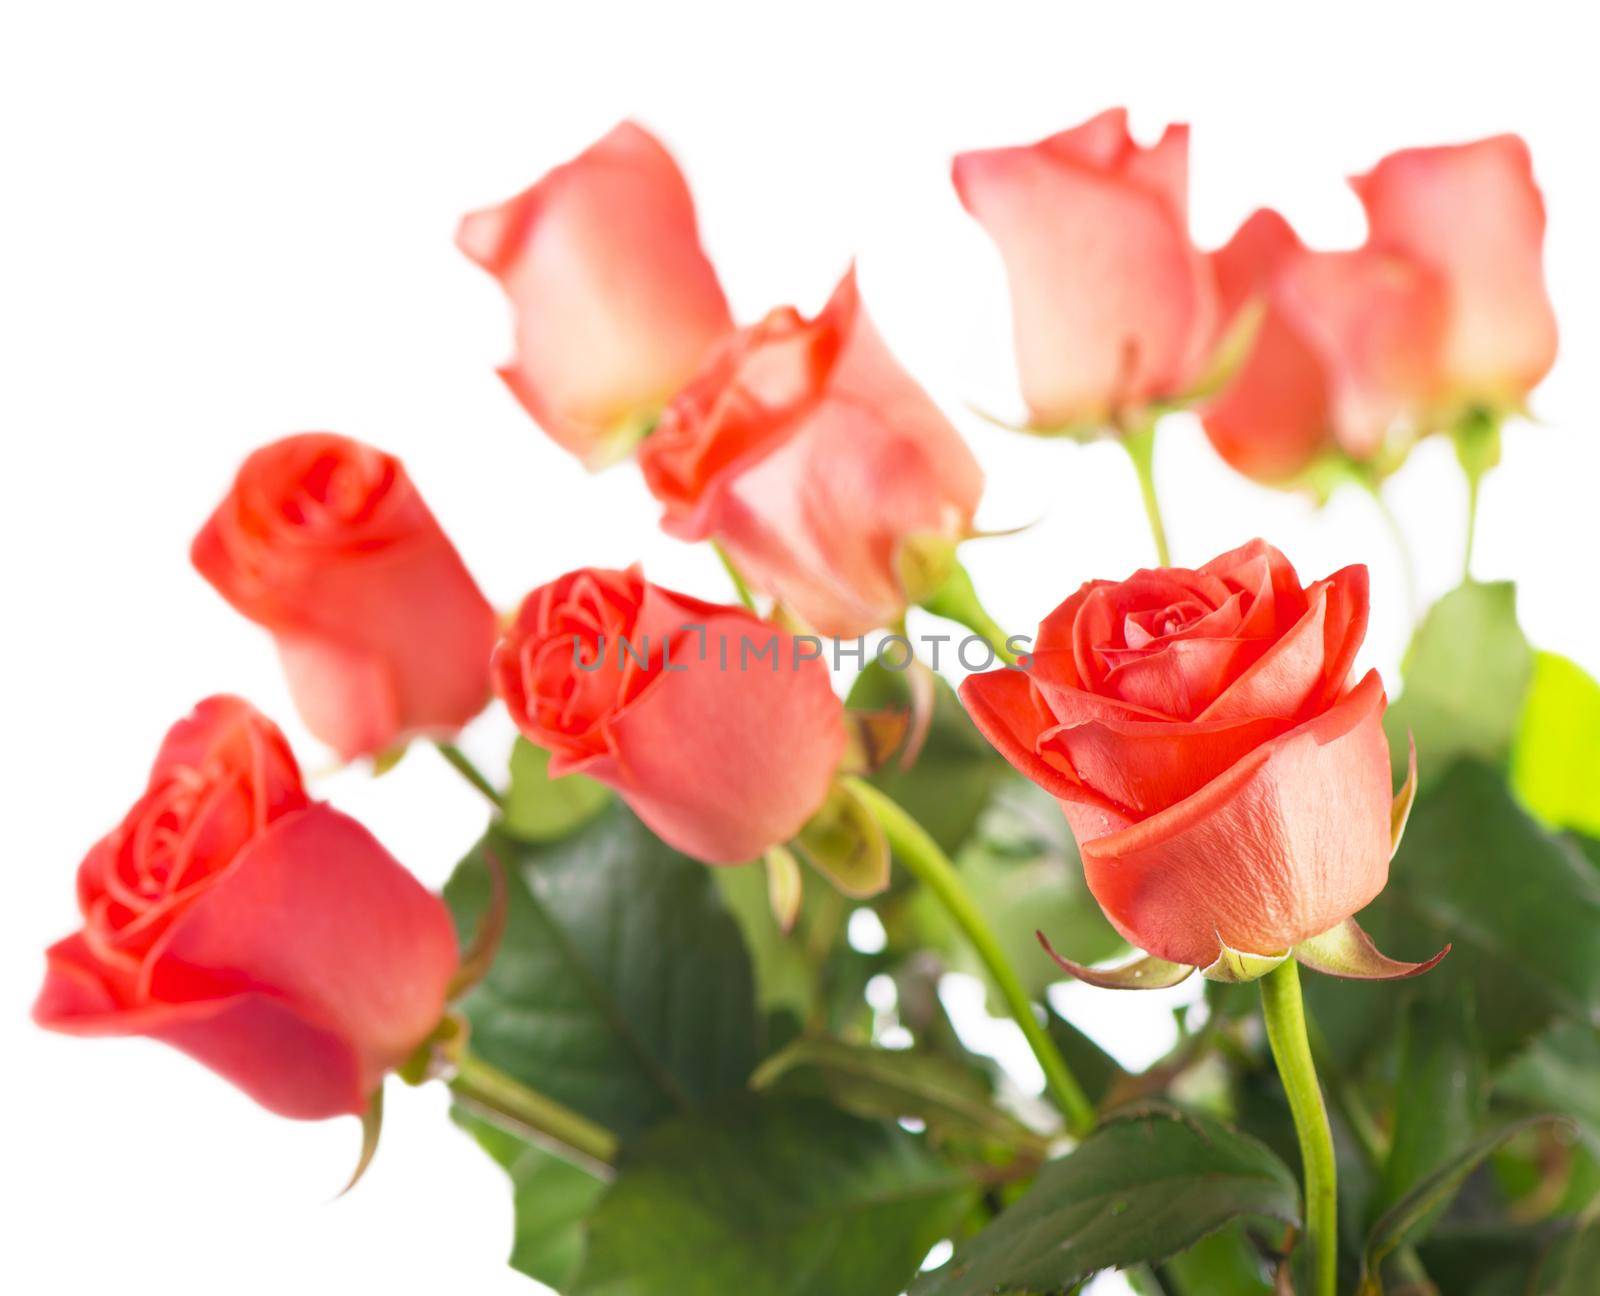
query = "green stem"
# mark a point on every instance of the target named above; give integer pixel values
(1408, 562)
(464, 766)
(1140, 443)
(1286, 1033)
(957, 600)
(1474, 483)
(739, 585)
(493, 1093)
(1372, 1141)
(1477, 440)
(921, 856)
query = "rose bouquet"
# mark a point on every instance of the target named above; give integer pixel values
(686, 986)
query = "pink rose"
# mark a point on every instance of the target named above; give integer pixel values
(1113, 306)
(614, 300)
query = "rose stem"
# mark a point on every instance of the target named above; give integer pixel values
(1408, 562)
(1285, 1016)
(492, 1093)
(957, 600)
(739, 585)
(921, 855)
(1477, 441)
(1372, 1142)
(464, 766)
(1474, 481)
(1140, 443)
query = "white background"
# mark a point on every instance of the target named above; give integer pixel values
(224, 223)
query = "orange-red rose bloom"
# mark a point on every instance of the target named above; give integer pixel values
(1473, 215)
(270, 938)
(1224, 782)
(613, 299)
(811, 456)
(383, 634)
(722, 734)
(1346, 352)
(1113, 306)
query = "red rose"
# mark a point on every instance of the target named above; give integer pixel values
(383, 635)
(1347, 351)
(1113, 306)
(712, 725)
(811, 456)
(1225, 784)
(1473, 215)
(272, 939)
(615, 302)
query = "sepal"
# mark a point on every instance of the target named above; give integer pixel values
(387, 759)
(478, 957)
(784, 887)
(923, 564)
(1347, 951)
(371, 1130)
(871, 737)
(1400, 809)
(845, 843)
(1144, 973)
(1232, 350)
(1232, 966)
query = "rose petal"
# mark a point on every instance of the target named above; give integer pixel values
(1112, 304)
(615, 301)
(1272, 421)
(812, 456)
(1282, 846)
(275, 1052)
(1308, 666)
(1374, 324)
(1145, 767)
(1010, 714)
(728, 753)
(318, 916)
(1247, 264)
(1473, 214)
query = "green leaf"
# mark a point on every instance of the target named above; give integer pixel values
(1096, 1070)
(540, 808)
(1441, 1095)
(1224, 1264)
(771, 1199)
(1479, 1257)
(956, 771)
(622, 987)
(951, 1099)
(1399, 1222)
(1559, 1071)
(785, 979)
(1572, 1264)
(1142, 1187)
(1520, 906)
(1588, 847)
(551, 1199)
(1555, 764)
(1466, 673)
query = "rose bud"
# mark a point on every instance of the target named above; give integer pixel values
(383, 634)
(812, 457)
(1473, 215)
(1346, 353)
(270, 938)
(1228, 788)
(719, 731)
(614, 301)
(1113, 306)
